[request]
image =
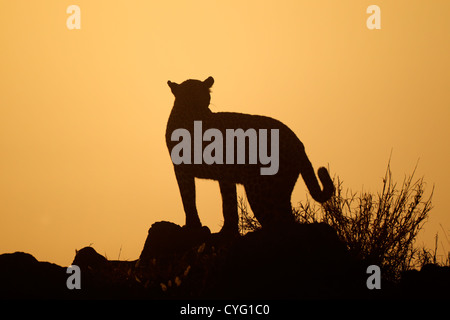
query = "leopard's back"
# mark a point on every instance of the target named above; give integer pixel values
(289, 146)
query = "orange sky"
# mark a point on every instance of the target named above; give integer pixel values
(83, 112)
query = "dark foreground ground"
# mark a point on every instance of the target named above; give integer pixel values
(302, 261)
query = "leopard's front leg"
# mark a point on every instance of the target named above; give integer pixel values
(229, 207)
(186, 184)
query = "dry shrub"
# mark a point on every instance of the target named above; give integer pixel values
(379, 228)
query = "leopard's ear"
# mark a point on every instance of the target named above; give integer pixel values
(209, 82)
(173, 86)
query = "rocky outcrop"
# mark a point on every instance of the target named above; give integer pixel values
(296, 261)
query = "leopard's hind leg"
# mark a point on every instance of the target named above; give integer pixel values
(270, 202)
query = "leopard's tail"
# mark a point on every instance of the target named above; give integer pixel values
(309, 176)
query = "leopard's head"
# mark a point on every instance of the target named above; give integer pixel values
(192, 94)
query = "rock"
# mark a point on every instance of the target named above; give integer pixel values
(166, 238)
(104, 279)
(22, 276)
(296, 261)
(431, 282)
(89, 258)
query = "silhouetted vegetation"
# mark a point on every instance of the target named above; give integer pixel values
(379, 228)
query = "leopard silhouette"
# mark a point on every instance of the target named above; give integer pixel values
(269, 196)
